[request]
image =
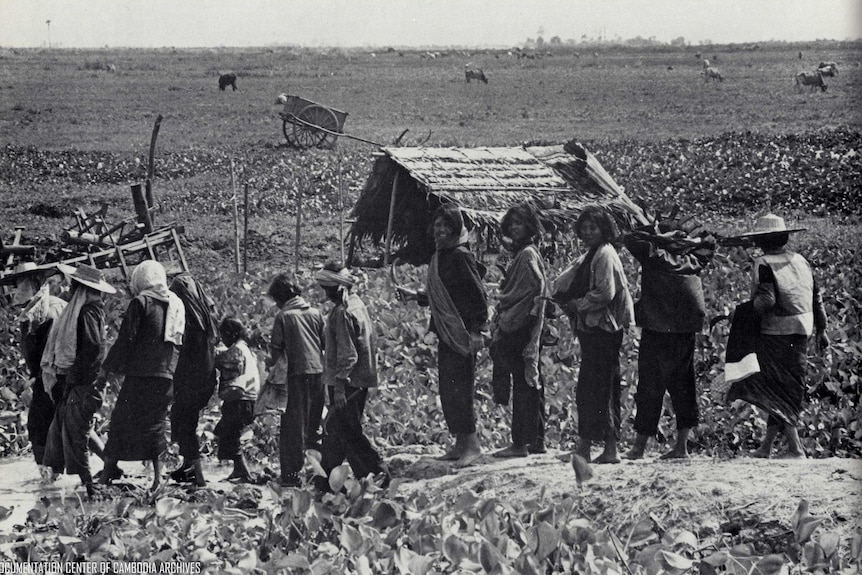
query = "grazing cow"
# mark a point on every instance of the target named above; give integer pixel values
(226, 80)
(110, 68)
(477, 74)
(711, 73)
(813, 79)
(828, 68)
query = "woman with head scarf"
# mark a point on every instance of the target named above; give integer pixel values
(350, 370)
(71, 363)
(788, 308)
(195, 376)
(40, 309)
(516, 337)
(459, 313)
(596, 296)
(146, 353)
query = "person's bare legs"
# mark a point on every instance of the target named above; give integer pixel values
(513, 451)
(583, 449)
(765, 449)
(96, 445)
(157, 474)
(471, 450)
(680, 450)
(456, 451)
(609, 454)
(637, 450)
(199, 472)
(109, 471)
(795, 450)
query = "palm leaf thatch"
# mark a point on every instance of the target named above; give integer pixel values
(484, 182)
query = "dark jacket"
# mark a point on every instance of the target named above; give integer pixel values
(297, 334)
(90, 350)
(671, 291)
(141, 349)
(351, 345)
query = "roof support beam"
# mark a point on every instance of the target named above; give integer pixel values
(387, 253)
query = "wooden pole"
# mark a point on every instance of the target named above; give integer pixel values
(298, 229)
(151, 165)
(391, 219)
(235, 217)
(245, 230)
(341, 209)
(141, 208)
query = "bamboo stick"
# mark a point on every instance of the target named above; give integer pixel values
(245, 230)
(341, 209)
(151, 166)
(298, 229)
(235, 217)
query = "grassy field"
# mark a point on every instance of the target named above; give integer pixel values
(59, 100)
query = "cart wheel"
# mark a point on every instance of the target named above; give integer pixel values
(306, 132)
(287, 128)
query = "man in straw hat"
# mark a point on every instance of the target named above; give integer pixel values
(41, 308)
(350, 370)
(787, 302)
(72, 360)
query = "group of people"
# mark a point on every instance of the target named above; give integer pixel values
(168, 353)
(594, 293)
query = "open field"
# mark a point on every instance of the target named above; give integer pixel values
(52, 100)
(75, 135)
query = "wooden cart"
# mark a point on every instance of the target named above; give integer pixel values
(307, 124)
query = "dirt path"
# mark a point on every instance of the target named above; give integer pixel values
(702, 495)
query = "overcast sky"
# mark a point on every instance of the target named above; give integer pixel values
(209, 23)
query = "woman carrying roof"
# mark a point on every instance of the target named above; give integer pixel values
(517, 330)
(459, 314)
(594, 292)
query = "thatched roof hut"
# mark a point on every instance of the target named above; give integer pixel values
(406, 185)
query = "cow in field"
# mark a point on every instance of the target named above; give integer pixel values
(828, 68)
(226, 80)
(712, 73)
(477, 74)
(813, 79)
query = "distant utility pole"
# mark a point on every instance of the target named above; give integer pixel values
(48, 22)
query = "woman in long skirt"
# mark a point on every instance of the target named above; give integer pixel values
(146, 353)
(789, 307)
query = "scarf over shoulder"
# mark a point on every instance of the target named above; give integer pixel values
(447, 321)
(62, 345)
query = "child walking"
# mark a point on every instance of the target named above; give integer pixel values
(239, 384)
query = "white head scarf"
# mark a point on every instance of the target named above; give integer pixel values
(149, 279)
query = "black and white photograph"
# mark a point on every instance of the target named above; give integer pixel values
(421, 287)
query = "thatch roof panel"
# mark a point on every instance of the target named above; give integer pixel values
(484, 182)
